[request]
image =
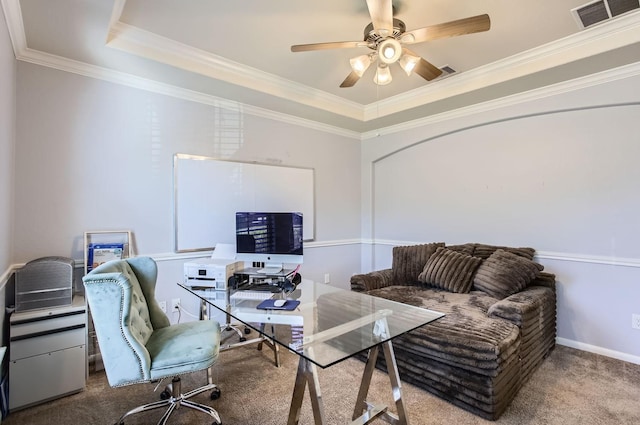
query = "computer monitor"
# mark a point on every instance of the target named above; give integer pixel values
(273, 238)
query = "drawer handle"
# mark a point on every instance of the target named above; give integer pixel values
(51, 332)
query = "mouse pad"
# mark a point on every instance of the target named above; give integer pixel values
(268, 305)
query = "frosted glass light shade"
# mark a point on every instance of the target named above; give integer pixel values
(360, 64)
(408, 63)
(383, 76)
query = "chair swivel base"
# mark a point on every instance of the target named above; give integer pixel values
(177, 399)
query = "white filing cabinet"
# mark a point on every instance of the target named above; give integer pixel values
(47, 353)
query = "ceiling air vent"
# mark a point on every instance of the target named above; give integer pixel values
(602, 10)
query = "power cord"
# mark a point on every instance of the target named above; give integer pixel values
(182, 309)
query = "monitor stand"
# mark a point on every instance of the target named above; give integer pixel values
(271, 268)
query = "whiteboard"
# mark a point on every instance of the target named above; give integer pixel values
(209, 191)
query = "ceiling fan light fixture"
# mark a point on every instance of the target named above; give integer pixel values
(389, 51)
(383, 75)
(360, 64)
(408, 63)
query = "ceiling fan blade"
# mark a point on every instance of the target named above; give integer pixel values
(351, 80)
(425, 69)
(325, 46)
(381, 12)
(448, 29)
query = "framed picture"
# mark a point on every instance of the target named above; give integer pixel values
(106, 245)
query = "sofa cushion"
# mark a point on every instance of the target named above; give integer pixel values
(408, 261)
(450, 270)
(466, 248)
(484, 251)
(466, 336)
(505, 273)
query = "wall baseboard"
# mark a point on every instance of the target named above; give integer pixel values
(598, 350)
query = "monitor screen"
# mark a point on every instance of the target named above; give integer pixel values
(269, 237)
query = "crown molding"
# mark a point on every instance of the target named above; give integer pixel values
(617, 33)
(117, 77)
(603, 77)
(13, 16)
(146, 44)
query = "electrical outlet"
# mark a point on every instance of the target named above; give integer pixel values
(635, 321)
(175, 304)
(163, 306)
(327, 278)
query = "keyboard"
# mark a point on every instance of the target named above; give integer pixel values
(251, 295)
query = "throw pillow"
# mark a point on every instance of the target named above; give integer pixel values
(450, 270)
(505, 273)
(408, 261)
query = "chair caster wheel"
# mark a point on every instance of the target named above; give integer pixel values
(242, 339)
(247, 331)
(215, 394)
(216, 423)
(165, 394)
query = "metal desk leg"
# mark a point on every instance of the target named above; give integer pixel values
(307, 374)
(372, 411)
(270, 343)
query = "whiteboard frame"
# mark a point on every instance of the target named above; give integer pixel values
(309, 214)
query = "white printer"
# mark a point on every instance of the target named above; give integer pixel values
(211, 273)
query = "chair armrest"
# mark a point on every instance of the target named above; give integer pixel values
(374, 280)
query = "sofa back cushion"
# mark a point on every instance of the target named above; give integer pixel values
(505, 273)
(408, 261)
(484, 251)
(450, 270)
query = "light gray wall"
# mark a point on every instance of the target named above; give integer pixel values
(558, 173)
(7, 137)
(92, 155)
(7, 142)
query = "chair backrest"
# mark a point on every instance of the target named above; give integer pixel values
(121, 297)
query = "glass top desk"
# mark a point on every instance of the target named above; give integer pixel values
(328, 326)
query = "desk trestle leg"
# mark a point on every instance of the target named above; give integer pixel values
(307, 374)
(373, 411)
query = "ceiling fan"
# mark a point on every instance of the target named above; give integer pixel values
(387, 37)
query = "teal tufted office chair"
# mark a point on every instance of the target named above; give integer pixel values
(137, 342)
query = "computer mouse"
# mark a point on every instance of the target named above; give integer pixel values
(279, 303)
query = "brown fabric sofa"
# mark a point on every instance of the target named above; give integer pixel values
(500, 320)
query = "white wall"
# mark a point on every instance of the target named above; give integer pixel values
(92, 155)
(558, 173)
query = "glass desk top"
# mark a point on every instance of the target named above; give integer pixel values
(329, 325)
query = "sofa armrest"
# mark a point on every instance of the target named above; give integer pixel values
(374, 280)
(532, 305)
(545, 279)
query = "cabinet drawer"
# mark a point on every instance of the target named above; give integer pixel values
(41, 343)
(46, 376)
(38, 325)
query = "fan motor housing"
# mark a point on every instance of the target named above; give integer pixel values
(371, 36)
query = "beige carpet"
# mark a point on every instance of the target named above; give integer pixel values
(571, 388)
